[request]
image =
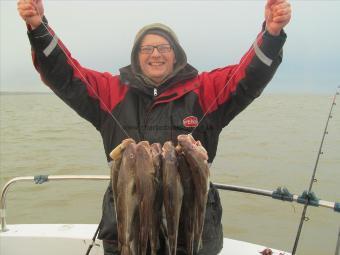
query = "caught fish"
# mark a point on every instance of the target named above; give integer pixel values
(172, 194)
(188, 212)
(115, 166)
(146, 190)
(156, 151)
(197, 157)
(127, 203)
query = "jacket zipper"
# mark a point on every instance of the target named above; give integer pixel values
(149, 108)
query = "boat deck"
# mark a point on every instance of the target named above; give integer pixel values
(56, 239)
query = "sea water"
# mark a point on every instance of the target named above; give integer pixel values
(273, 143)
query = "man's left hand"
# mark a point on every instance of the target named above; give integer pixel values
(277, 14)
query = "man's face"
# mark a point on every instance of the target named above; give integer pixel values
(156, 65)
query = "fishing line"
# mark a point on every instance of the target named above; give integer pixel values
(232, 76)
(85, 79)
(303, 215)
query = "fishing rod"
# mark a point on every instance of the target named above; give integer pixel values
(337, 249)
(309, 193)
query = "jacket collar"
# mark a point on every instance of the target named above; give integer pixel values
(130, 79)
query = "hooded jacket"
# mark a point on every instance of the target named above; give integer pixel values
(158, 114)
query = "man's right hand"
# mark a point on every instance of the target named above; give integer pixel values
(31, 11)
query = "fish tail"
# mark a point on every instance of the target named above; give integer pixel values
(173, 244)
(144, 228)
(190, 238)
(146, 192)
(125, 250)
(143, 242)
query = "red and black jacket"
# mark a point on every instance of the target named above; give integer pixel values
(156, 114)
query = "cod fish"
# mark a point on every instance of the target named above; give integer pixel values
(188, 212)
(146, 190)
(197, 157)
(115, 166)
(172, 194)
(127, 203)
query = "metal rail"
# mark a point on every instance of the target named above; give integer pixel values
(280, 194)
(38, 180)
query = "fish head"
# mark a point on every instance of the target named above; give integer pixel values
(156, 151)
(168, 151)
(143, 151)
(187, 144)
(129, 155)
(116, 153)
(127, 141)
(144, 159)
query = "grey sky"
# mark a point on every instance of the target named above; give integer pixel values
(100, 34)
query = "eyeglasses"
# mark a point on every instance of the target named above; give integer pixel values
(162, 48)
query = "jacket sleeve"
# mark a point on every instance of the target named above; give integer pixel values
(225, 92)
(88, 92)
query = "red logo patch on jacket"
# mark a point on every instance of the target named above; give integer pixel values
(190, 121)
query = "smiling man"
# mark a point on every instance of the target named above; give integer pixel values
(156, 58)
(158, 96)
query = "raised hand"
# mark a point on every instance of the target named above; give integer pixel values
(277, 15)
(31, 11)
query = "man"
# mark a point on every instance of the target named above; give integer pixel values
(159, 95)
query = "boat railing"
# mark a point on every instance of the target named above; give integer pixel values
(39, 179)
(280, 193)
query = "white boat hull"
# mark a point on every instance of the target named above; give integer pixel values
(74, 239)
